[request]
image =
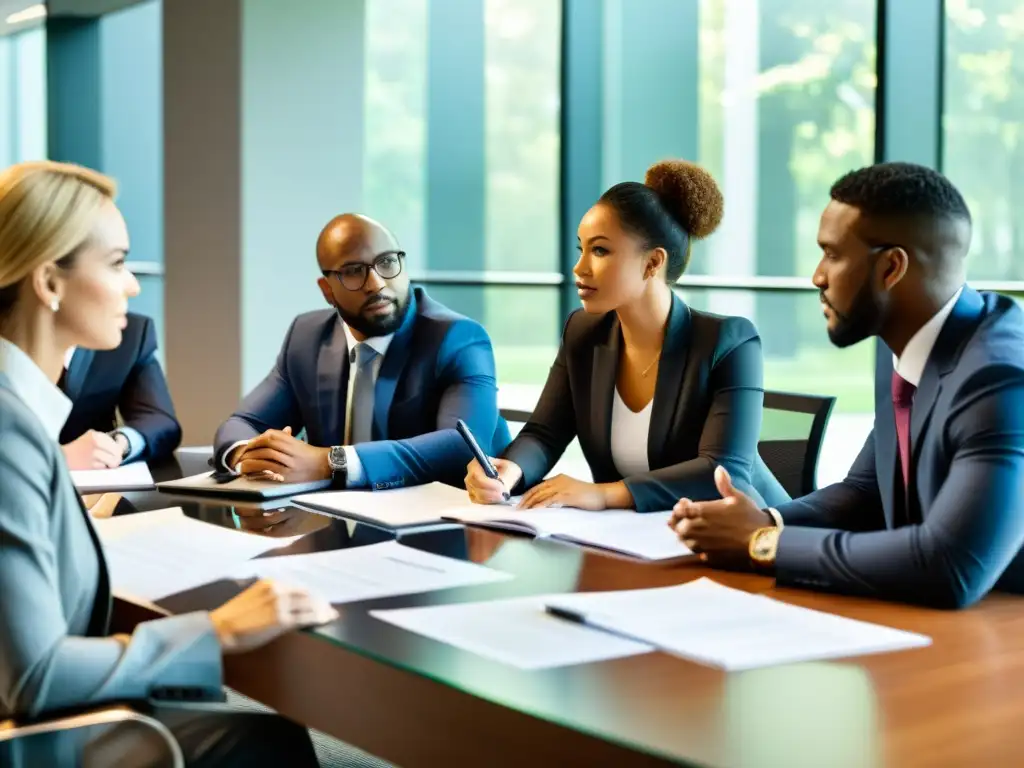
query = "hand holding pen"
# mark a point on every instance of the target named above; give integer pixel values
(488, 480)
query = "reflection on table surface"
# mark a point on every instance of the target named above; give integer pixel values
(901, 708)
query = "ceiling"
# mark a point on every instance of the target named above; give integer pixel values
(58, 8)
(7, 7)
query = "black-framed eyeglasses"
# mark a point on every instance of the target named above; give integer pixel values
(353, 276)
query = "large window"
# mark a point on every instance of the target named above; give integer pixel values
(786, 107)
(983, 145)
(23, 96)
(487, 129)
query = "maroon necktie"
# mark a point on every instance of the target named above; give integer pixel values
(902, 400)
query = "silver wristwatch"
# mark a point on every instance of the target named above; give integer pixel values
(337, 460)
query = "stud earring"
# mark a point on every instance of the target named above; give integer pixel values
(55, 305)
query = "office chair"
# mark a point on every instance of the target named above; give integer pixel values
(107, 736)
(792, 431)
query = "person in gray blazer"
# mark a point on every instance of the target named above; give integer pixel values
(63, 283)
(932, 510)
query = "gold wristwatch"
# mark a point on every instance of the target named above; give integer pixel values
(764, 543)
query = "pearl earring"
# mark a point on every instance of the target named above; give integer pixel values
(55, 305)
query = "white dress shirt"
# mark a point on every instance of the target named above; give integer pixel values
(629, 436)
(31, 385)
(355, 476)
(910, 365)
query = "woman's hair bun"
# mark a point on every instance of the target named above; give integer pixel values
(689, 193)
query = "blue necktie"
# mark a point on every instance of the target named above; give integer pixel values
(361, 360)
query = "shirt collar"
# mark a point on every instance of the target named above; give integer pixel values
(910, 365)
(379, 344)
(31, 385)
(67, 358)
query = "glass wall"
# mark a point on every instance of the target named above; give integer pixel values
(983, 128)
(515, 170)
(786, 106)
(23, 96)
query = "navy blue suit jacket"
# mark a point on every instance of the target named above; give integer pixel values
(126, 379)
(967, 478)
(707, 409)
(438, 368)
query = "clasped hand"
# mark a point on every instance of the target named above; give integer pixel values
(279, 457)
(720, 530)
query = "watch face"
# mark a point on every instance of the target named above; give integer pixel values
(336, 458)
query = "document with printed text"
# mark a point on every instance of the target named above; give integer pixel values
(370, 572)
(723, 627)
(517, 631)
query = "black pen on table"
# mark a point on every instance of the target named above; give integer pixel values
(481, 457)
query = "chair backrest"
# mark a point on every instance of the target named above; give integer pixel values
(91, 739)
(792, 431)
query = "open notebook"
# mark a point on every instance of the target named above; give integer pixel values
(239, 488)
(645, 536)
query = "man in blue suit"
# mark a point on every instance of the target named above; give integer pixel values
(126, 380)
(932, 510)
(377, 382)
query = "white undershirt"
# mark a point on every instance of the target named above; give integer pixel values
(629, 437)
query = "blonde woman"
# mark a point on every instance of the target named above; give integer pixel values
(63, 283)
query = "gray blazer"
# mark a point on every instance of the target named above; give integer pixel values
(55, 595)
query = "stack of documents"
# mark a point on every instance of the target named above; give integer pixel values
(156, 554)
(129, 477)
(153, 555)
(239, 488)
(702, 621)
(646, 536)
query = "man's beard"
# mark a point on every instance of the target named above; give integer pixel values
(863, 319)
(381, 325)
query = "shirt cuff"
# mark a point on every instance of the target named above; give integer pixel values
(776, 517)
(355, 477)
(136, 443)
(228, 452)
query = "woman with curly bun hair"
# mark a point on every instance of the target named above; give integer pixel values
(659, 393)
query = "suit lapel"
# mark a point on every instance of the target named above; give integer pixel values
(332, 386)
(74, 382)
(99, 620)
(668, 389)
(943, 359)
(603, 373)
(391, 368)
(886, 463)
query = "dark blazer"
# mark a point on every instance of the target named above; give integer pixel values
(966, 494)
(706, 411)
(439, 368)
(126, 379)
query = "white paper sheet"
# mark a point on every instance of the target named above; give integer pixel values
(128, 477)
(517, 631)
(365, 573)
(396, 508)
(646, 536)
(156, 554)
(732, 629)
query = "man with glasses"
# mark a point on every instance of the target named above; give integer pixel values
(377, 382)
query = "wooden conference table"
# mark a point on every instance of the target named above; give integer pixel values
(418, 702)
